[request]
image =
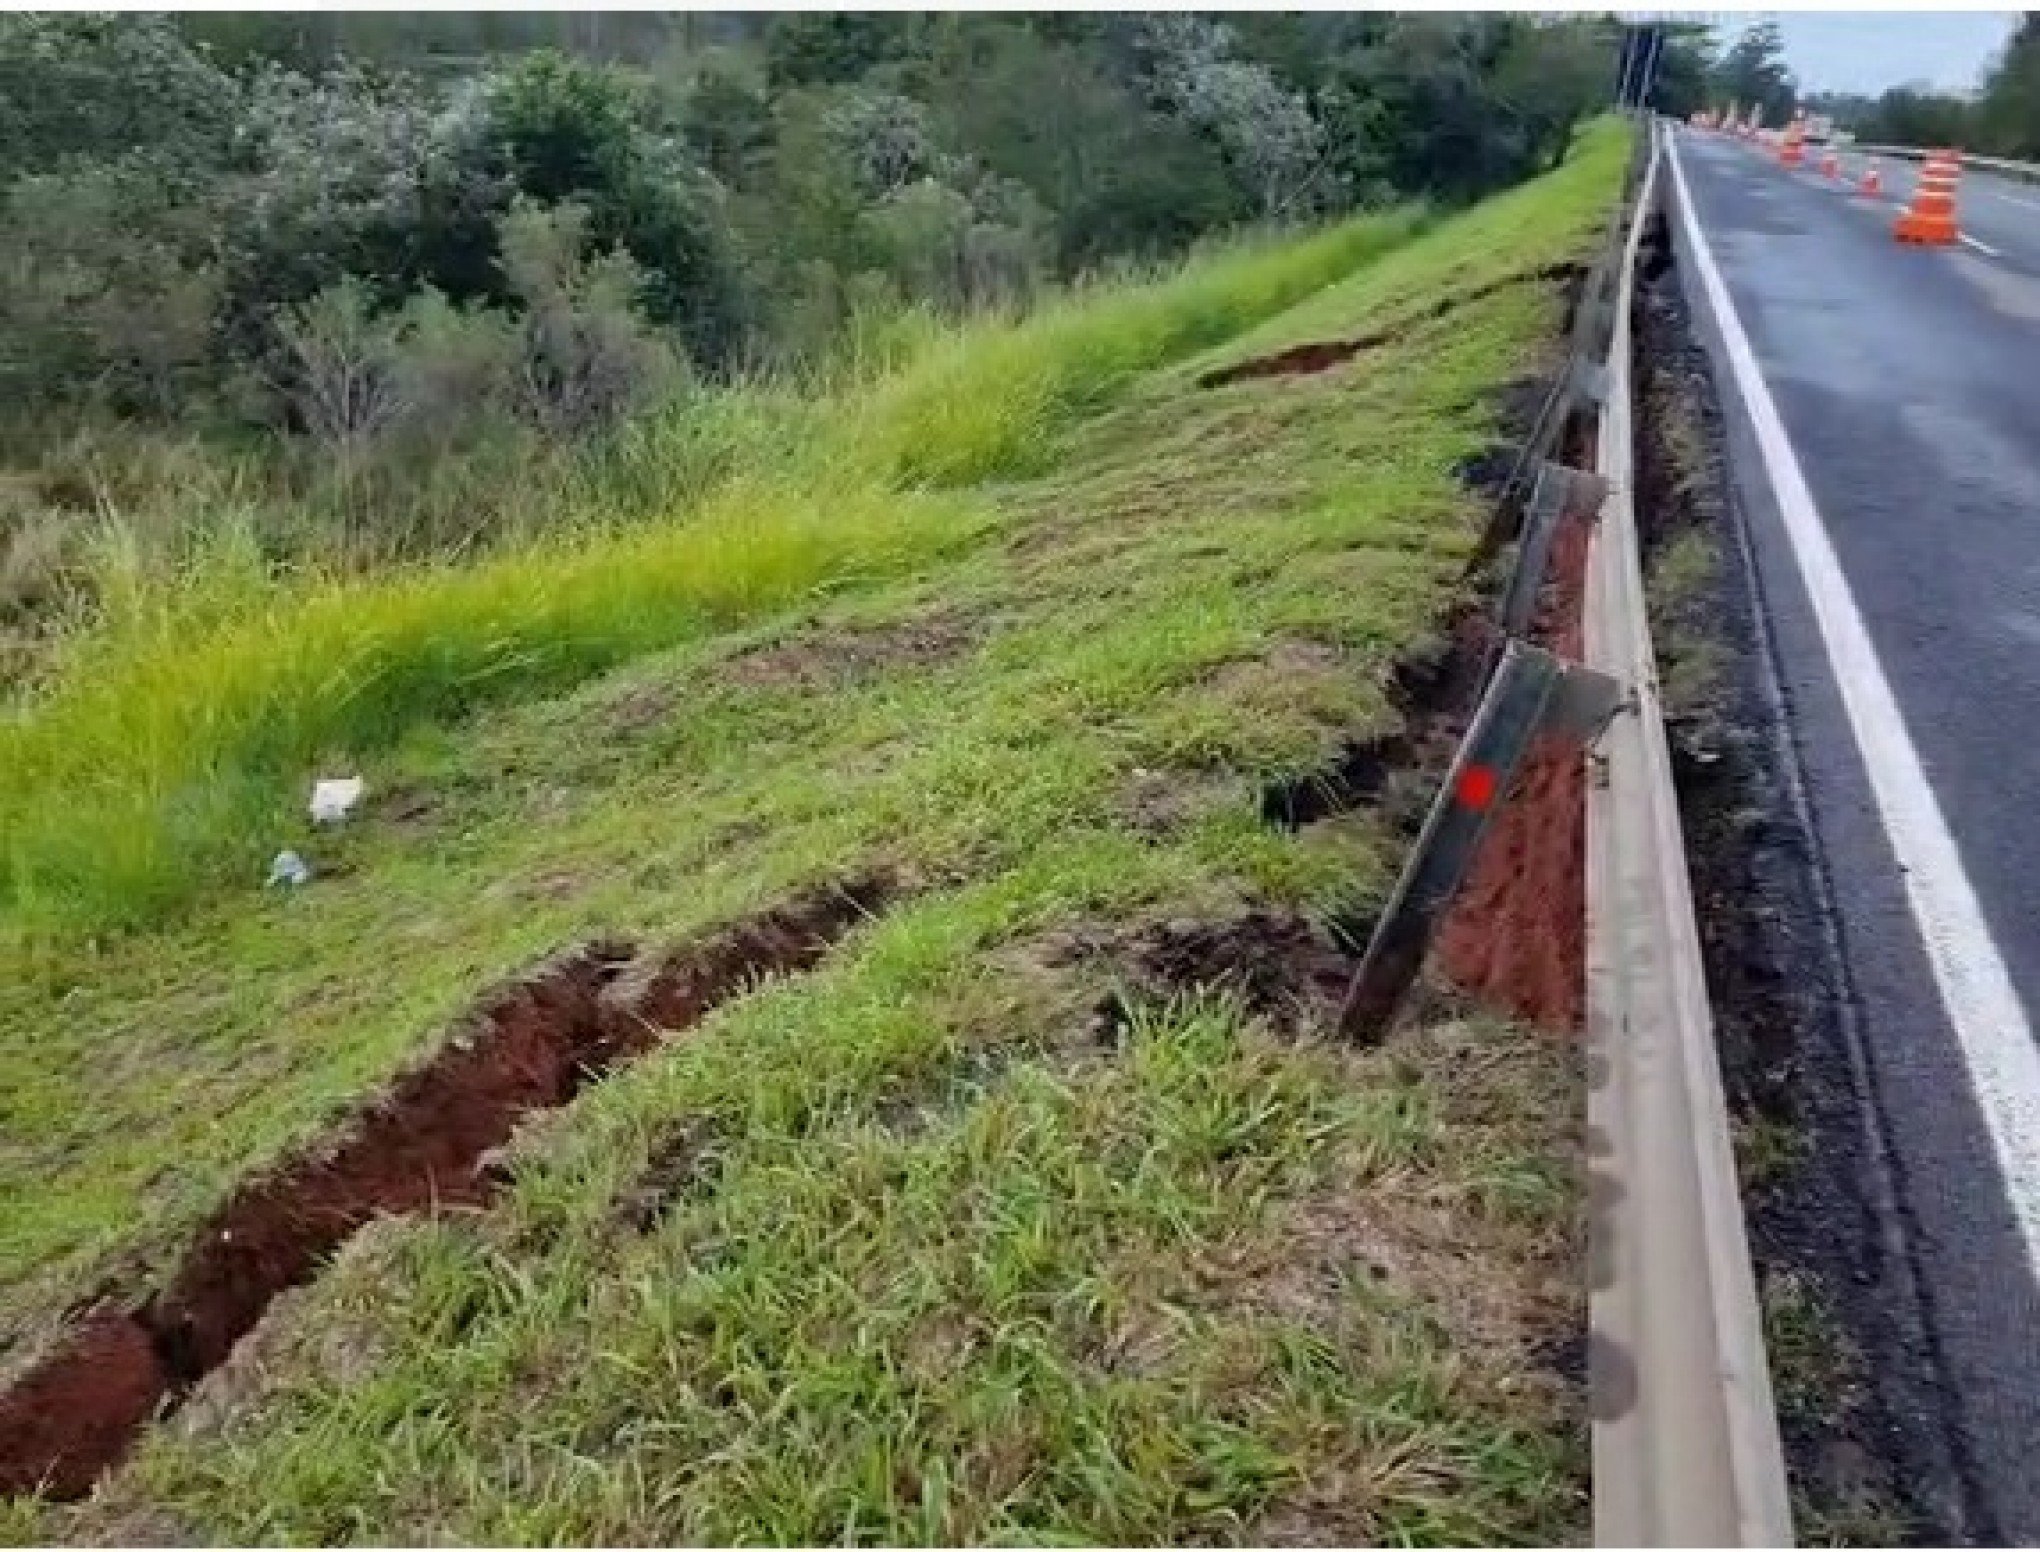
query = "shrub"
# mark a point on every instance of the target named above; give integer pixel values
(101, 300)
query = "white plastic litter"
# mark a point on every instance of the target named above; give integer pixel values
(335, 797)
(289, 870)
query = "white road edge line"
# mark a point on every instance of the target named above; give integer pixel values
(1976, 990)
(1983, 248)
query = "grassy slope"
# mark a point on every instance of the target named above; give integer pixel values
(168, 756)
(956, 1272)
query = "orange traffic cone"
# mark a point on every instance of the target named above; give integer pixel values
(1831, 166)
(1871, 183)
(1792, 149)
(1930, 220)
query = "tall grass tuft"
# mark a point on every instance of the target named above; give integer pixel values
(169, 747)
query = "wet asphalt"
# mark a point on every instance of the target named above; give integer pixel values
(1909, 384)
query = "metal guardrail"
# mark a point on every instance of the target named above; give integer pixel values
(1685, 1437)
(2028, 172)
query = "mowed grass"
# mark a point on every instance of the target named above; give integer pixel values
(902, 1250)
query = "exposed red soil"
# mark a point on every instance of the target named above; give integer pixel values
(1516, 935)
(530, 1046)
(75, 1412)
(1297, 361)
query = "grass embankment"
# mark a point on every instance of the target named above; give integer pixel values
(168, 755)
(938, 1262)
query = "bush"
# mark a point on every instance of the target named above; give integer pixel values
(98, 86)
(567, 130)
(588, 356)
(102, 302)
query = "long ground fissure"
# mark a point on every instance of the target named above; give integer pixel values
(424, 1145)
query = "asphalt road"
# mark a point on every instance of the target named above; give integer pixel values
(1999, 216)
(1883, 422)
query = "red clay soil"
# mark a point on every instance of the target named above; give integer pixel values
(76, 1411)
(528, 1047)
(1516, 936)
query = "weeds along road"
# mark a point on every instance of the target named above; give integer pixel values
(1883, 427)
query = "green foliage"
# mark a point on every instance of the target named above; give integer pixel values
(1119, 176)
(1753, 73)
(145, 774)
(2009, 116)
(819, 48)
(107, 297)
(570, 130)
(102, 86)
(1683, 82)
(1461, 104)
(279, 240)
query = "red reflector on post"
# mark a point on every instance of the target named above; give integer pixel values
(1476, 789)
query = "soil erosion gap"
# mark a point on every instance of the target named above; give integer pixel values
(529, 1046)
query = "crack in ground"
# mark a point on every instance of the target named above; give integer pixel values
(1322, 355)
(528, 1047)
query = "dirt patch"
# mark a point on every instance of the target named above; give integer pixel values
(1516, 935)
(678, 1164)
(426, 1144)
(1322, 355)
(642, 708)
(78, 1409)
(1432, 688)
(1297, 361)
(1279, 965)
(1162, 803)
(836, 656)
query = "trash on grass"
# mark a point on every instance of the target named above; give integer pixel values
(335, 797)
(289, 869)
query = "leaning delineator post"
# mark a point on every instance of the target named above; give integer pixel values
(1685, 1438)
(1511, 710)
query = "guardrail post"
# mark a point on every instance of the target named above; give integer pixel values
(1559, 493)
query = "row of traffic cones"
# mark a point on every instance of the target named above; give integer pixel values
(1929, 221)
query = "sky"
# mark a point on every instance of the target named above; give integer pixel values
(1868, 51)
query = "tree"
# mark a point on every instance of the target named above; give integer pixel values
(565, 129)
(1265, 133)
(1118, 175)
(1920, 116)
(1549, 75)
(1685, 68)
(1753, 73)
(818, 48)
(82, 87)
(1414, 108)
(2009, 116)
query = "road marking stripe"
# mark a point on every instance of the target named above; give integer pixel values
(1976, 990)
(1983, 248)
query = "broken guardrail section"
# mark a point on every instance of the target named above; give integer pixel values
(1685, 1435)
